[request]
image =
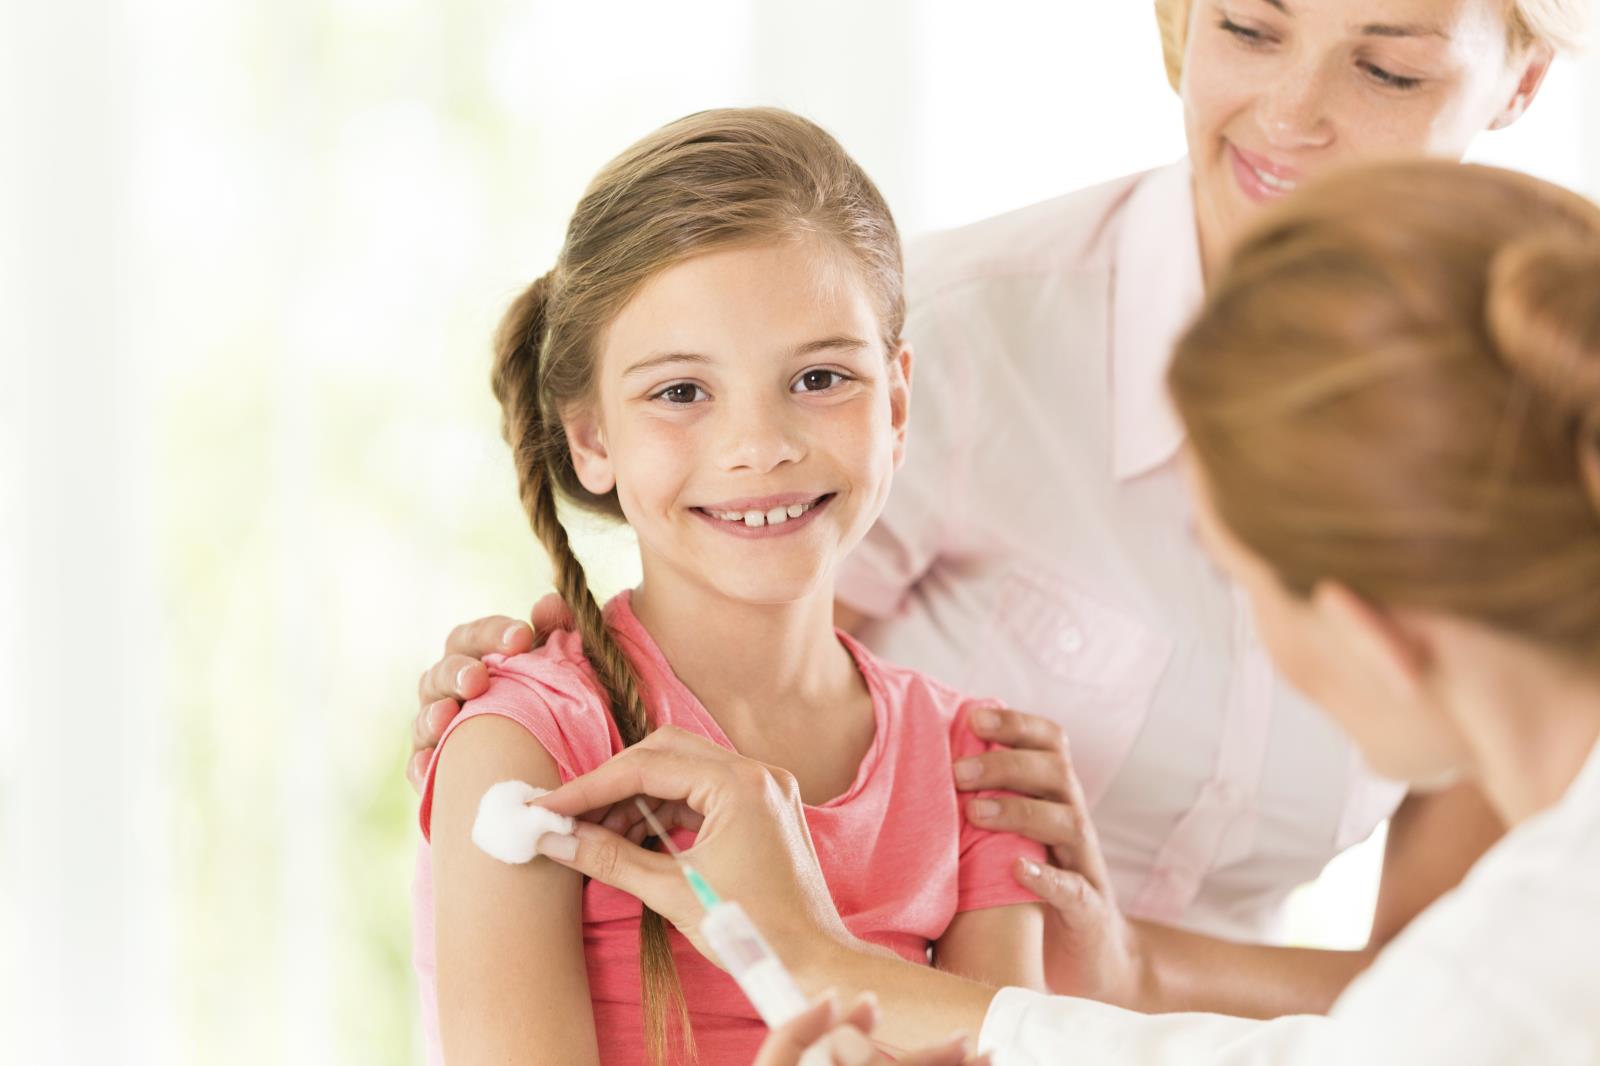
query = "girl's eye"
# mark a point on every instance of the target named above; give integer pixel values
(681, 395)
(818, 380)
(1392, 81)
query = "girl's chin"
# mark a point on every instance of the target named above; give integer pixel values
(766, 589)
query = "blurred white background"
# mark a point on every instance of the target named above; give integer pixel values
(252, 255)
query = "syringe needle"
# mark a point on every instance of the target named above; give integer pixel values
(657, 828)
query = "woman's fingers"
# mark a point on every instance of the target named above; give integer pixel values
(474, 640)
(455, 677)
(416, 767)
(604, 856)
(669, 764)
(550, 614)
(1054, 825)
(785, 1044)
(426, 729)
(952, 1052)
(1068, 891)
(863, 1013)
(1017, 729)
(1065, 830)
(430, 723)
(1041, 773)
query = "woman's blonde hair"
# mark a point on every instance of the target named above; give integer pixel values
(1395, 384)
(709, 181)
(1561, 24)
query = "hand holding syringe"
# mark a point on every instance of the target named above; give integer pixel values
(752, 841)
(740, 948)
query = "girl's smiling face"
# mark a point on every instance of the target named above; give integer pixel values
(1276, 91)
(749, 419)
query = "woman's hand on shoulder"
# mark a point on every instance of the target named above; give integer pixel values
(460, 675)
(1090, 948)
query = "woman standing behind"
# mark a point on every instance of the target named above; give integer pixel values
(1039, 542)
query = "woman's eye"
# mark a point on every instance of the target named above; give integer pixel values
(1243, 33)
(680, 394)
(818, 380)
(1392, 81)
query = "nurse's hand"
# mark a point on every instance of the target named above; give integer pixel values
(1091, 949)
(820, 1037)
(460, 674)
(753, 844)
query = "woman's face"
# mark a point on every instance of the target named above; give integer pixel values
(1276, 91)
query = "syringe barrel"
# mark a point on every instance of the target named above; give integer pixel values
(751, 962)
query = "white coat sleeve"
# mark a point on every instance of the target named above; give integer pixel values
(1030, 1029)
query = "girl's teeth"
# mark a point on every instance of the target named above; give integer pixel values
(757, 519)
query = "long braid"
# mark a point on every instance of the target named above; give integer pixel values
(536, 445)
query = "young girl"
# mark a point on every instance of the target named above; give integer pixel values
(717, 360)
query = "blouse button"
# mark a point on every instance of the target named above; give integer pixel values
(1070, 640)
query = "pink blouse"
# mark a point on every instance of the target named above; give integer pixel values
(1038, 546)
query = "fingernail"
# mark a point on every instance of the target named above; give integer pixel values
(967, 771)
(984, 808)
(563, 848)
(985, 719)
(511, 634)
(1030, 868)
(461, 678)
(850, 1048)
(436, 716)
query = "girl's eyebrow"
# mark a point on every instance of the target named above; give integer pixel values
(825, 344)
(666, 357)
(828, 344)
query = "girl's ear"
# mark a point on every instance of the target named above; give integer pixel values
(586, 440)
(1539, 58)
(900, 400)
(1383, 643)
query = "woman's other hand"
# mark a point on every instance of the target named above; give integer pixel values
(1091, 949)
(753, 845)
(821, 1037)
(460, 675)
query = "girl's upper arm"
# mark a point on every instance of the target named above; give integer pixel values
(999, 946)
(512, 985)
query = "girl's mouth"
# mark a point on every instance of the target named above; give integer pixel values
(771, 521)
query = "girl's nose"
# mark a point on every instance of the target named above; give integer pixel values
(758, 438)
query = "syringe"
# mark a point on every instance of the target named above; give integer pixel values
(740, 948)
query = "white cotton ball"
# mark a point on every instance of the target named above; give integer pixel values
(508, 828)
